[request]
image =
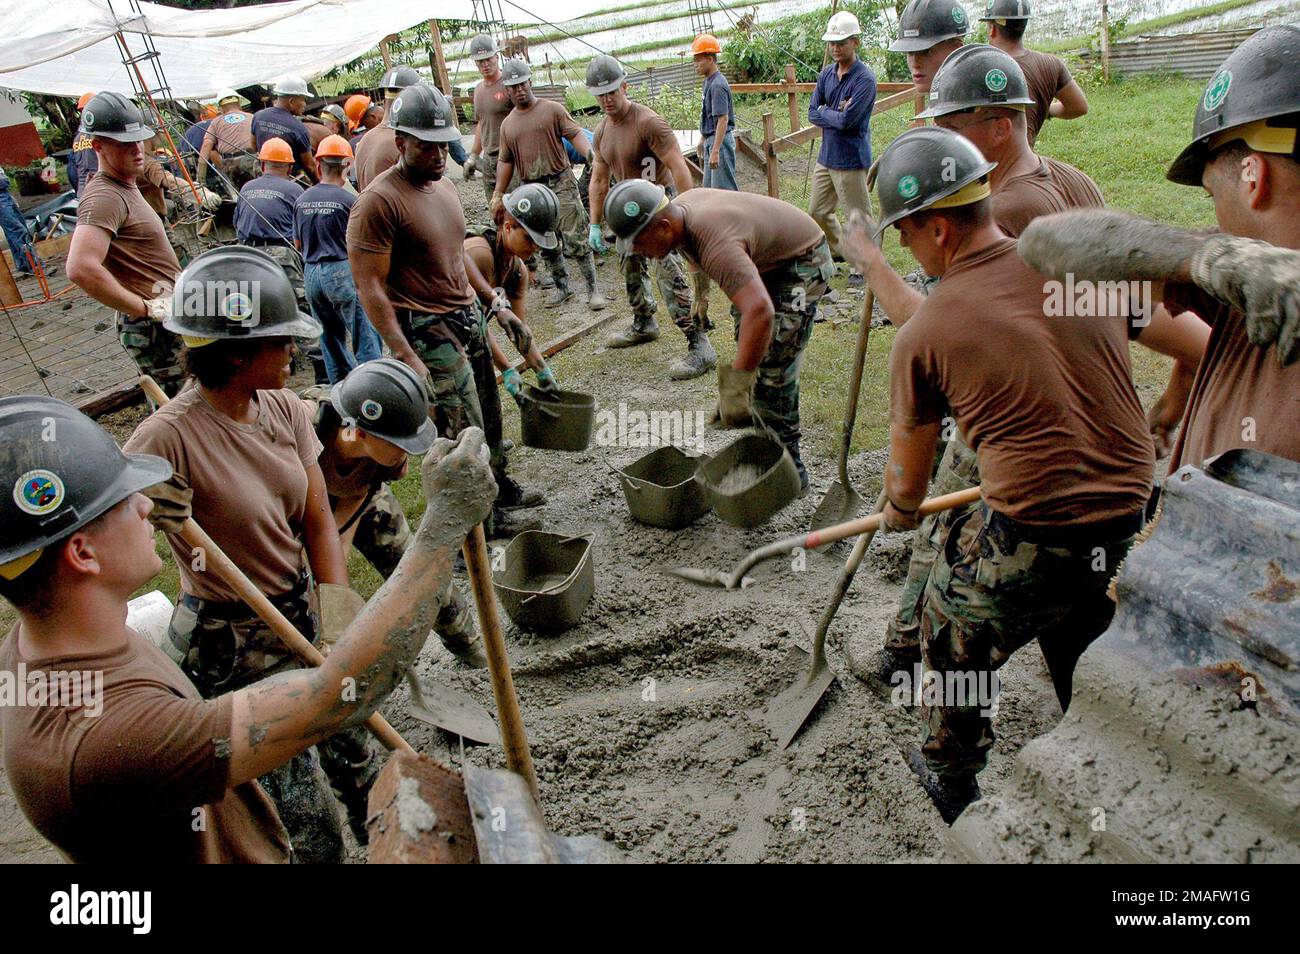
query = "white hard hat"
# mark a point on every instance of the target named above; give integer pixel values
(842, 26)
(226, 95)
(290, 85)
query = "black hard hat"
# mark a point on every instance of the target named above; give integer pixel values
(400, 77)
(236, 292)
(335, 110)
(60, 471)
(113, 116)
(629, 207)
(1259, 80)
(515, 71)
(423, 112)
(923, 167)
(1006, 10)
(386, 398)
(482, 47)
(927, 22)
(976, 75)
(536, 208)
(604, 75)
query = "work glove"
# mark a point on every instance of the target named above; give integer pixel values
(211, 200)
(735, 390)
(471, 165)
(173, 504)
(339, 606)
(595, 238)
(514, 384)
(1258, 279)
(497, 209)
(459, 488)
(893, 520)
(158, 309)
(546, 379)
(516, 329)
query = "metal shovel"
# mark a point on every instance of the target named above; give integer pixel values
(450, 710)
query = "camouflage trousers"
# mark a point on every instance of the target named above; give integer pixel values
(996, 586)
(290, 263)
(958, 470)
(572, 226)
(487, 169)
(670, 276)
(453, 394)
(795, 290)
(223, 647)
(155, 350)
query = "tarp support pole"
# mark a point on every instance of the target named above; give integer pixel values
(440, 61)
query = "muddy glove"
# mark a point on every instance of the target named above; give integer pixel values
(211, 200)
(339, 606)
(858, 244)
(497, 209)
(517, 329)
(546, 379)
(514, 384)
(1260, 280)
(459, 488)
(895, 520)
(595, 238)
(172, 504)
(158, 309)
(471, 165)
(735, 391)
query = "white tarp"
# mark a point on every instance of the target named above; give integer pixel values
(66, 47)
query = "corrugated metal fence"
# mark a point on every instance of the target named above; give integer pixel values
(1195, 55)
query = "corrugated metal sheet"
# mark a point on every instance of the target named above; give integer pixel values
(1196, 55)
(680, 76)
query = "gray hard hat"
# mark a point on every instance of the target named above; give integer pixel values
(976, 75)
(236, 292)
(335, 111)
(423, 112)
(924, 166)
(1260, 80)
(386, 398)
(482, 47)
(927, 22)
(290, 85)
(604, 75)
(536, 208)
(400, 77)
(515, 71)
(629, 207)
(1006, 10)
(113, 116)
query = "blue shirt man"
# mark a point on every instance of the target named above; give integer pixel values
(717, 152)
(276, 122)
(264, 213)
(320, 223)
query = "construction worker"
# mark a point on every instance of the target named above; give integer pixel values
(717, 152)
(143, 767)
(231, 136)
(281, 120)
(264, 212)
(363, 115)
(532, 147)
(15, 231)
(320, 227)
(841, 105)
(1065, 460)
(1055, 93)
(1245, 151)
(928, 31)
(492, 104)
(83, 162)
(379, 154)
(335, 120)
(406, 246)
(771, 259)
(120, 254)
(244, 465)
(633, 141)
(191, 142)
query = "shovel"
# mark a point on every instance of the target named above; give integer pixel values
(736, 579)
(842, 502)
(786, 714)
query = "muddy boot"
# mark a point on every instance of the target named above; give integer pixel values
(595, 297)
(559, 294)
(700, 358)
(881, 668)
(641, 332)
(798, 465)
(512, 496)
(506, 524)
(950, 793)
(455, 628)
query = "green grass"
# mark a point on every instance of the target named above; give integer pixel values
(1146, 26)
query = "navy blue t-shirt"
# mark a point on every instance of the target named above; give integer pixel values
(717, 102)
(265, 209)
(192, 139)
(276, 123)
(320, 223)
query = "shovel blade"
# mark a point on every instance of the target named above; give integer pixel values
(453, 711)
(840, 505)
(510, 830)
(786, 714)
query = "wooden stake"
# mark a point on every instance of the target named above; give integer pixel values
(769, 157)
(440, 61)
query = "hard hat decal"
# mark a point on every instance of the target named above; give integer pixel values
(631, 209)
(908, 187)
(371, 409)
(88, 119)
(523, 205)
(958, 16)
(995, 80)
(237, 307)
(1217, 91)
(233, 118)
(397, 106)
(37, 492)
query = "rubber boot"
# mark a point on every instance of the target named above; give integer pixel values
(793, 448)
(506, 524)
(595, 297)
(560, 275)
(700, 358)
(882, 666)
(950, 793)
(643, 331)
(512, 496)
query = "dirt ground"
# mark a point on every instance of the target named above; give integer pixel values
(640, 716)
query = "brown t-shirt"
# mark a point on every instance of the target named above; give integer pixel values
(139, 255)
(635, 146)
(1047, 404)
(736, 236)
(376, 154)
(249, 480)
(152, 183)
(510, 274)
(533, 139)
(1241, 396)
(492, 104)
(232, 133)
(316, 132)
(1055, 187)
(1046, 75)
(423, 229)
(139, 770)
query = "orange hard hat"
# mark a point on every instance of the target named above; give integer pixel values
(705, 43)
(209, 112)
(356, 106)
(275, 150)
(85, 98)
(335, 146)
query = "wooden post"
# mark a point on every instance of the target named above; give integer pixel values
(793, 97)
(769, 157)
(383, 51)
(1105, 41)
(550, 77)
(440, 61)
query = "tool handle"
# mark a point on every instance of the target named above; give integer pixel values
(855, 386)
(842, 587)
(513, 737)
